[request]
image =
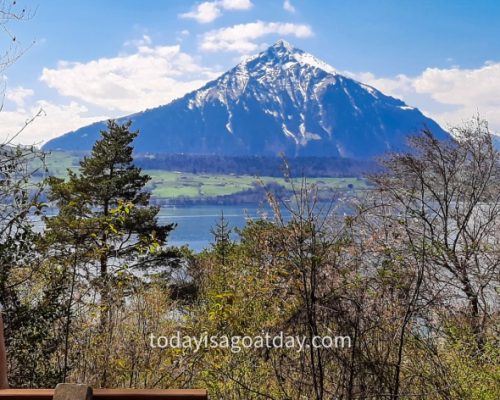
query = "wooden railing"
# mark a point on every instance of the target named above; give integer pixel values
(109, 394)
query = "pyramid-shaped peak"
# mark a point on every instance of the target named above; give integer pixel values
(282, 49)
(284, 52)
(282, 100)
(283, 45)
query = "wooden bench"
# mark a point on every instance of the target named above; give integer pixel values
(110, 394)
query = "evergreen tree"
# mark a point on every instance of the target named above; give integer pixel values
(222, 242)
(104, 213)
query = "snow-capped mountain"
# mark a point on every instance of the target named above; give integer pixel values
(282, 100)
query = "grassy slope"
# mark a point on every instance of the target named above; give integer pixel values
(174, 184)
(168, 184)
(58, 163)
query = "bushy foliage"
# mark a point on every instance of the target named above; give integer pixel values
(409, 271)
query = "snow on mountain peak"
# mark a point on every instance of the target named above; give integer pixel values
(308, 59)
(285, 53)
(281, 68)
(283, 44)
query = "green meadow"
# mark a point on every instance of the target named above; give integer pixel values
(171, 184)
(166, 184)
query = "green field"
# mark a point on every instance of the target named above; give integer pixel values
(171, 185)
(165, 184)
(57, 164)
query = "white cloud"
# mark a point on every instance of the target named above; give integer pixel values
(236, 4)
(457, 86)
(209, 11)
(54, 120)
(151, 76)
(147, 77)
(144, 41)
(399, 86)
(288, 6)
(450, 95)
(204, 13)
(18, 95)
(241, 38)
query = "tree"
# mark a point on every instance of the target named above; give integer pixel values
(30, 293)
(447, 195)
(105, 228)
(222, 242)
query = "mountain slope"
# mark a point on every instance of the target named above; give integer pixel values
(282, 100)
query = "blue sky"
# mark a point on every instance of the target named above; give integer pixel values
(97, 59)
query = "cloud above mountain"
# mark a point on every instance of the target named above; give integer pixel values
(209, 11)
(44, 120)
(150, 76)
(143, 76)
(18, 95)
(242, 38)
(449, 95)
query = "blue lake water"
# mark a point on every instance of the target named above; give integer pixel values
(194, 223)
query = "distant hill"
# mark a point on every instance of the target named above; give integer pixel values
(282, 100)
(257, 165)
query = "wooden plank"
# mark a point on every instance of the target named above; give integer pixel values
(150, 394)
(31, 394)
(110, 394)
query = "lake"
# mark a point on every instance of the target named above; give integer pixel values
(195, 222)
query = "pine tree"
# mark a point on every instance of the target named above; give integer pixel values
(104, 212)
(222, 242)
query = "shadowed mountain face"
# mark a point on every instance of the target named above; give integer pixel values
(282, 100)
